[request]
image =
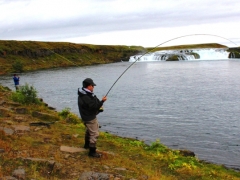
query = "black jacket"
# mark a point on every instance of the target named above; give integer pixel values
(88, 105)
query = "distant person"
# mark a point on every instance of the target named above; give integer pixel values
(89, 106)
(16, 80)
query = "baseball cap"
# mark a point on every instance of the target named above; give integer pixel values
(87, 82)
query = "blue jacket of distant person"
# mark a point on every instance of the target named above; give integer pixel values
(16, 80)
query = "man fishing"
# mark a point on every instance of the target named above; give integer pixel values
(16, 80)
(89, 106)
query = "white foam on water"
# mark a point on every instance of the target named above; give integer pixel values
(183, 54)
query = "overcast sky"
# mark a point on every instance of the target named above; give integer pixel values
(145, 23)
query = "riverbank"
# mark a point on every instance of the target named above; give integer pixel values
(24, 56)
(37, 142)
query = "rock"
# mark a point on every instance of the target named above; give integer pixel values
(47, 140)
(45, 116)
(46, 124)
(21, 110)
(120, 169)
(37, 129)
(144, 177)
(74, 174)
(8, 178)
(7, 131)
(40, 99)
(105, 167)
(71, 149)
(9, 122)
(19, 174)
(14, 104)
(5, 112)
(66, 136)
(2, 102)
(2, 150)
(39, 160)
(75, 135)
(51, 163)
(187, 153)
(19, 119)
(21, 128)
(66, 156)
(51, 108)
(94, 175)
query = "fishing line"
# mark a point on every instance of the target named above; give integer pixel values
(158, 46)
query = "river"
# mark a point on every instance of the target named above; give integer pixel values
(190, 105)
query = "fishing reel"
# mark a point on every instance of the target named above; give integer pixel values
(101, 109)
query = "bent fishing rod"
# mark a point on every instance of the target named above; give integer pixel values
(158, 46)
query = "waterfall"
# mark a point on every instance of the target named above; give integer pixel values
(184, 54)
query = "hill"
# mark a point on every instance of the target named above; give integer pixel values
(17, 56)
(190, 46)
(20, 56)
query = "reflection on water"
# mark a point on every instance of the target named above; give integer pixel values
(187, 105)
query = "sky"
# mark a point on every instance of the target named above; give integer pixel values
(147, 23)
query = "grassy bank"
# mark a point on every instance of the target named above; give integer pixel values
(46, 144)
(190, 46)
(19, 56)
(22, 56)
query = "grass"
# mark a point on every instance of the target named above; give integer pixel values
(17, 56)
(136, 158)
(123, 158)
(190, 46)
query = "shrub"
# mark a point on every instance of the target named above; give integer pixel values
(157, 146)
(69, 117)
(4, 89)
(18, 66)
(26, 95)
(72, 119)
(65, 112)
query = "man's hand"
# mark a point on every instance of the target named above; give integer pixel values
(104, 98)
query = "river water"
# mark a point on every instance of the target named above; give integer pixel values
(190, 105)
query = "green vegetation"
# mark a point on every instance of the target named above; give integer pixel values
(65, 112)
(68, 116)
(189, 46)
(17, 66)
(25, 95)
(18, 56)
(234, 52)
(123, 158)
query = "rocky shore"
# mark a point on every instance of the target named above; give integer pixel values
(36, 142)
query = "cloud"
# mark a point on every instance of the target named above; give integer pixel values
(79, 19)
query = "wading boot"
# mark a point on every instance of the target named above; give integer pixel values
(93, 153)
(86, 145)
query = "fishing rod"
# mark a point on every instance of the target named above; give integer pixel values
(158, 46)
